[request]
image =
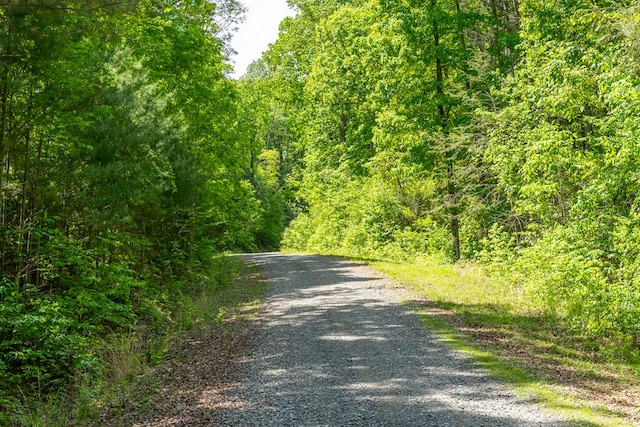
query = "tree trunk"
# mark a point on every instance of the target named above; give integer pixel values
(4, 127)
(463, 42)
(25, 219)
(3, 130)
(453, 206)
(451, 187)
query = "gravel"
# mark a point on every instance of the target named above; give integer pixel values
(338, 349)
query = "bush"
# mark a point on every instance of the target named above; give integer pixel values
(568, 276)
(41, 342)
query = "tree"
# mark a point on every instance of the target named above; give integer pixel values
(120, 174)
(558, 149)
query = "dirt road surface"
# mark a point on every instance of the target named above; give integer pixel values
(336, 348)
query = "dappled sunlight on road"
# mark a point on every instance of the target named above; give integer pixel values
(338, 349)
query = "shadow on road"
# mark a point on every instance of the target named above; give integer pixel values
(336, 349)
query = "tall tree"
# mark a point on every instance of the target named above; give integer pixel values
(120, 172)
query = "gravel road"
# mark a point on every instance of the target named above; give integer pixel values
(338, 349)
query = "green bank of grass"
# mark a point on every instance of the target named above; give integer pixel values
(492, 321)
(229, 290)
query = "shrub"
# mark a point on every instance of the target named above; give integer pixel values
(569, 277)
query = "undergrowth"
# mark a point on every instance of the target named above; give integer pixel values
(115, 359)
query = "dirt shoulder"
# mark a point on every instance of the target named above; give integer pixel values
(188, 387)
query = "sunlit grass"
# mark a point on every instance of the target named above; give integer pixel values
(448, 283)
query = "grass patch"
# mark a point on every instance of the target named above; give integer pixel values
(490, 320)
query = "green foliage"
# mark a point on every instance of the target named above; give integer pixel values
(553, 152)
(480, 130)
(271, 153)
(48, 326)
(122, 174)
(367, 218)
(41, 341)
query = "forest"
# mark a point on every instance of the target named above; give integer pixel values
(503, 133)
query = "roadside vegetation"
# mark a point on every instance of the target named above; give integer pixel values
(595, 382)
(124, 174)
(121, 380)
(198, 362)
